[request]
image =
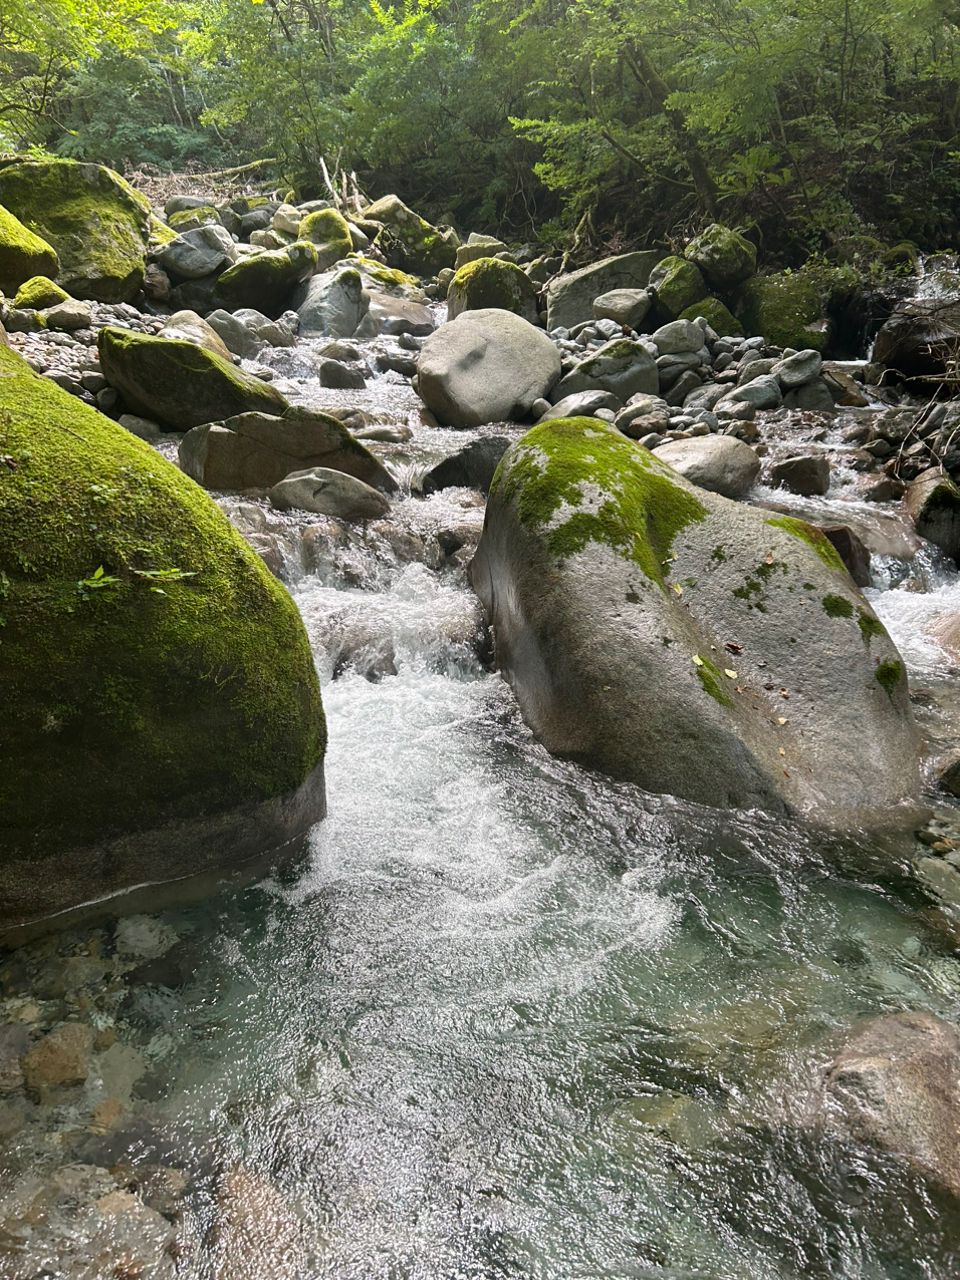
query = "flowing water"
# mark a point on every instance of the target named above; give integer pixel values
(506, 1017)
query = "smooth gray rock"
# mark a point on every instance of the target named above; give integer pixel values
(763, 392)
(807, 475)
(678, 336)
(67, 316)
(721, 464)
(581, 405)
(257, 451)
(933, 504)
(612, 611)
(796, 370)
(621, 367)
(187, 326)
(392, 316)
(623, 306)
(485, 366)
(570, 297)
(478, 246)
(239, 338)
(332, 305)
(896, 1088)
(329, 493)
(197, 253)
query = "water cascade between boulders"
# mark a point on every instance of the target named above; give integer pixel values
(632, 591)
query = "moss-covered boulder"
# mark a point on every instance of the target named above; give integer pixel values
(178, 383)
(40, 292)
(491, 282)
(328, 230)
(408, 241)
(161, 713)
(725, 257)
(204, 215)
(691, 644)
(23, 255)
(786, 309)
(718, 316)
(266, 281)
(679, 285)
(97, 223)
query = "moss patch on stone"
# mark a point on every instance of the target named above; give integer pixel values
(189, 219)
(708, 673)
(97, 223)
(719, 317)
(40, 292)
(888, 675)
(23, 254)
(813, 537)
(679, 285)
(642, 508)
(837, 606)
(870, 627)
(266, 281)
(126, 706)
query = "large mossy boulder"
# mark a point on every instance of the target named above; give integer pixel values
(785, 309)
(178, 383)
(329, 231)
(408, 241)
(23, 255)
(570, 296)
(718, 316)
(39, 292)
(690, 644)
(679, 285)
(725, 257)
(491, 282)
(161, 712)
(485, 366)
(267, 281)
(97, 223)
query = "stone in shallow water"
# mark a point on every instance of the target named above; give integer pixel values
(60, 1059)
(329, 493)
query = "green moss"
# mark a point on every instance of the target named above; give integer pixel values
(160, 233)
(679, 285)
(40, 292)
(888, 675)
(266, 281)
(97, 223)
(179, 383)
(190, 219)
(325, 225)
(491, 282)
(709, 676)
(643, 508)
(720, 319)
(870, 627)
(837, 607)
(813, 537)
(130, 707)
(786, 309)
(723, 255)
(23, 254)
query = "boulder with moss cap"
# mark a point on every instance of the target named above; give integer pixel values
(267, 281)
(40, 292)
(408, 241)
(491, 282)
(23, 254)
(179, 383)
(329, 231)
(725, 257)
(97, 223)
(161, 709)
(690, 644)
(678, 285)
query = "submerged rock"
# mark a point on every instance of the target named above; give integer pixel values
(161, 709)
(96, 222)
(691, 644)
(896, 1087)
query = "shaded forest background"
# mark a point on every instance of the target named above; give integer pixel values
(620, 122)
